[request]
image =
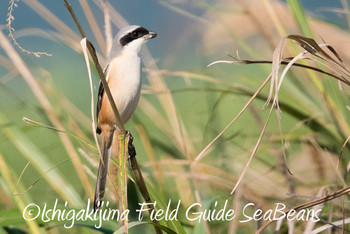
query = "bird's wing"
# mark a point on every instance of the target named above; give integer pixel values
(101, 92)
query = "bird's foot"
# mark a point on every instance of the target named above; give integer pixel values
(131, 147)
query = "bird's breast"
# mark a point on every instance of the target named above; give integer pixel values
(124, 81)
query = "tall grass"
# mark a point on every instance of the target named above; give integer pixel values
(194, 130)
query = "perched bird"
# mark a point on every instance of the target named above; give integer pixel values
(123, 75)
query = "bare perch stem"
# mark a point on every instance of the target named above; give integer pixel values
(140, 183)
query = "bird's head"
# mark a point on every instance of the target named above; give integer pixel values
(131, 38)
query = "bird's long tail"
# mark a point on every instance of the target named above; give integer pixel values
(107, 137)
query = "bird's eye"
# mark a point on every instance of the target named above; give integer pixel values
(135, 34)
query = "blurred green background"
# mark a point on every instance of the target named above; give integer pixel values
(185, 104)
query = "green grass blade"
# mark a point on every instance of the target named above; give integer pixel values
(41, 164)
(173, 224)
(9, 179)
(300, 17)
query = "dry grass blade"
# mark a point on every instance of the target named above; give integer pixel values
(340, 156)
(330, 226)
(277, 22)
(238, 61)
(158, 172)
(38, 124)
(310, 224)
(152, 112)
(199, 199)
(245, 169)
(183, 12)
(192, 75)
(168, 104)
(108, 26)
(19, 178)
(333, 60)
(93, 24)
(49, 17)
(276, 80)
(202, 154)
(312, 203)
(116, 18)
(41, 163)
(312, 47)
(37, 180)
(346, 11)
(315, 49)
(8, 179)
(84, 47)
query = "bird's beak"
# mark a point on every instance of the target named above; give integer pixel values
(150, 35)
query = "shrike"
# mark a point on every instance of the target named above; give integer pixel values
(123, 75)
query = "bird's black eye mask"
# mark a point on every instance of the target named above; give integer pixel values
(137, 33)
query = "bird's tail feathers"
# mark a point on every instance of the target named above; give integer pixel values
(103, 168)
